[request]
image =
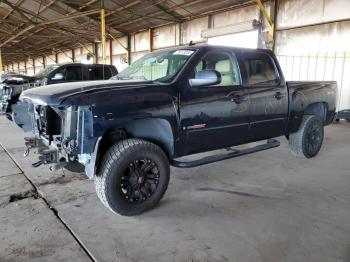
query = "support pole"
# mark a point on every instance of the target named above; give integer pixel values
(111, 51)
(263, 10)
(73, 56)
(95, 53)
(276, 8)
(1, 65)
(103, 32)
(128, 53)
(269, 20)
(150, 39)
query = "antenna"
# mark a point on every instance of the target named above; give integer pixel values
(191, 43)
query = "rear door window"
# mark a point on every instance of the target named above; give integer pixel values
(74, 73)
(95, 73)
(260, 69)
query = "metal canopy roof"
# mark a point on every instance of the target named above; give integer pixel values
(32, 28)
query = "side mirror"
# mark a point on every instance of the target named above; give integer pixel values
(58, 76)
(206, 78)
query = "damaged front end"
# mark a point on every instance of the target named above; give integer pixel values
(62, 136)
(5, 98)
(10, 90)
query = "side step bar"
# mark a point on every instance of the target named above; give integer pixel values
(271, 143)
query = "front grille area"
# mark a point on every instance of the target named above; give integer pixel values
(49, 122)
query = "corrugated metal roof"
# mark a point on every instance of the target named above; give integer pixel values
(30, 28)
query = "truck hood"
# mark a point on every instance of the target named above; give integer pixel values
(56, 94)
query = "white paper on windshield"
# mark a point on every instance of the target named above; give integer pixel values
(184, 52)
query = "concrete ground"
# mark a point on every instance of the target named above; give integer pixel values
(269, 206)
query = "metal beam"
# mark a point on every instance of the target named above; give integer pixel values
(120, 43)
(95, 53)
(150, 39)
(1, 66)
(129, 50)
(154, 14)
(69, 17)
(176, 16)
(18, 10)
(263, 10)
(73, 55)
(103, 32)
(275, 14)
(17, 35)
(71, 58)
(111, 51)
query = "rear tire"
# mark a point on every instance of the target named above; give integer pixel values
(133, 177)
(307, 142)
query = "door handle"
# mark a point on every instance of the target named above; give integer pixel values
(279, 95)
(238, 99)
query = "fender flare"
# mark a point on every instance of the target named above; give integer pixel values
(155, 130)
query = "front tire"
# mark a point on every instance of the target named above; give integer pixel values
(307, 142)
(133, 177)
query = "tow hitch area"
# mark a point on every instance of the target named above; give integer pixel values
(33, 142)
(47, 155)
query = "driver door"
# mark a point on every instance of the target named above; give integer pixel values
(215, 116)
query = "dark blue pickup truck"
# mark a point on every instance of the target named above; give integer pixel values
(127, 131)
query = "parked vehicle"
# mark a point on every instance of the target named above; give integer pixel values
(5, 75)
(170, 104)
(344, 114)
(53, 74)
(11, 86)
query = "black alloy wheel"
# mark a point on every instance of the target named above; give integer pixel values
(140, 180)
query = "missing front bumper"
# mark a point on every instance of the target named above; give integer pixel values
(47, 154)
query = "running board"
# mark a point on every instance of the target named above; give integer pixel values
(271, 143)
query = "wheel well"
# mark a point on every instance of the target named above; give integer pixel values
(111, 137)
(317, 109)
(157, 131)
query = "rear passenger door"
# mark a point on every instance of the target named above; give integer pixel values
(268, 110)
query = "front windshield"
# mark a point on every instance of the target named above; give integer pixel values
(159, 66)
(46, 71)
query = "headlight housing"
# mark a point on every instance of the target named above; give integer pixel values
(1, 88)
(6, 93)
